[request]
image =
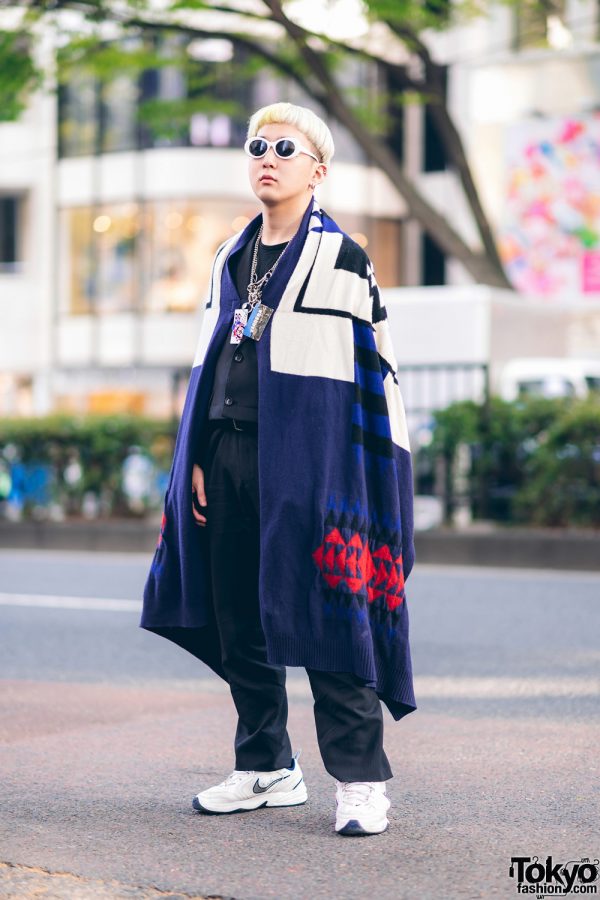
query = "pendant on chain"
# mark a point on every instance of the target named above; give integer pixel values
(240, 317)
(257, 321)
(254, 294)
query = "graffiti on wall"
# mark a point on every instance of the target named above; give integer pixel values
(550, 239)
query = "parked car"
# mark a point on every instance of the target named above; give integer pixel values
(549, 377)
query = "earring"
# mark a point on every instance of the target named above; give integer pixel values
(311, 185)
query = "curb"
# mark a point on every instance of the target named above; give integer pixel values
(483, 545)
(128, 535)
(534, 548)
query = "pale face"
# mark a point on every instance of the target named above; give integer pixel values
(290, 177)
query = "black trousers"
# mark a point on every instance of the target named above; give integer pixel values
(348, 715)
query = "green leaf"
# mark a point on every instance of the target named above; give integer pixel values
(19, 76)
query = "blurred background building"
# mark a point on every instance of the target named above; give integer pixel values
(107, 232)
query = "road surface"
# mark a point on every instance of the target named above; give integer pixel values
(106, 733)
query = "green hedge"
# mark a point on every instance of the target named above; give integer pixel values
(561, 477)
(533, 461)
(98, 444)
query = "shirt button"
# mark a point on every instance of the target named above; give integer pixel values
(238, 357)
(228, 401)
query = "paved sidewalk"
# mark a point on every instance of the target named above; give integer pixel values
(19, 882)
(98, 781)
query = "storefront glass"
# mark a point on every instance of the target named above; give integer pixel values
(154, 256)
(99, 252)
(181, 240)
(157, 256)
(79, 120)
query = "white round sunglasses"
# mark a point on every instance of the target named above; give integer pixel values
(285, 148)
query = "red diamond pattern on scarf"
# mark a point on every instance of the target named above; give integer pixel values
(162, 530)
(378, 573)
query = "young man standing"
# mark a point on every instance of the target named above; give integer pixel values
(295, 439)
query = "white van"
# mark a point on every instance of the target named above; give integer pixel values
(549, 377)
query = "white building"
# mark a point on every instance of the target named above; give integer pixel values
(524, 89)
(27, 270)
(111, 233)
(107, 232)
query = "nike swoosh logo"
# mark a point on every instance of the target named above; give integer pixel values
(258, 789)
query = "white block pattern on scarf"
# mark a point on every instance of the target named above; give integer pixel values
(210, 313)
(396, 412)
(393, 395)
(318, 345)
(312, 343)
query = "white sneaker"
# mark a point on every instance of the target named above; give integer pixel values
(361, 807)
(251, 790)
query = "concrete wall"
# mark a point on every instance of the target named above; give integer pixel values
(27, 169)
(184, 172)
(476, 326)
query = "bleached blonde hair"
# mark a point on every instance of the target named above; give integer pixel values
(303, 118)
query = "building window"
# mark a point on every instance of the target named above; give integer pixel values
(154, 256)
(384, 251)
(157, 256)
(10, 233)
(433, 262)
(100, 258)
(178, 246)
(533, 22)
(180, 241)
(154, 107)
(394, 91)
(78, 117)
(119, 99)
(159, 91)
(434, 157)
(163, 106)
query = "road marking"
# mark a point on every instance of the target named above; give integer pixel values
(84, 556)
(50, 601)
(478, 688)
(520, 573)
(427, 687)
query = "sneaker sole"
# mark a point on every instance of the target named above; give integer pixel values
(259, 802)
(353, 828)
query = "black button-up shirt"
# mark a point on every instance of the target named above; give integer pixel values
(235, 387)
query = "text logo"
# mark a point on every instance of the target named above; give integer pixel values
(576, 876)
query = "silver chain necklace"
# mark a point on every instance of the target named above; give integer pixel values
(255, 288)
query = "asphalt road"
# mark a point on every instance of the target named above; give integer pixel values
(107, 731)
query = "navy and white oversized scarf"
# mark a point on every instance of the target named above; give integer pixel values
(335, 475)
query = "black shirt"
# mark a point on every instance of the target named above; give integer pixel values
(235, 387)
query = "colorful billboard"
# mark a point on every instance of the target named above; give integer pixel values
(550, 236)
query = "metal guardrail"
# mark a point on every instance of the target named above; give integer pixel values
(429, 386)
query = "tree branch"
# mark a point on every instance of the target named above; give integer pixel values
(479, 265)
(451, 141)
(485, 266)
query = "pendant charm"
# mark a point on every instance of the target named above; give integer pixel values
(257, 321)
(240, 317)
(254, 292)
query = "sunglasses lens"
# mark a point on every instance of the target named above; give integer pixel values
(258, 147)
(285, 148)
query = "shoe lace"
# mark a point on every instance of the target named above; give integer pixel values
(236, 776)
(356, 793)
